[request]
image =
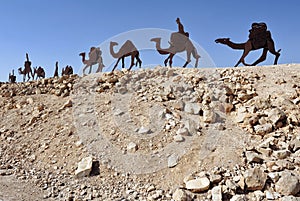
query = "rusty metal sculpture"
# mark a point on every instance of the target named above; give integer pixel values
(259, 38)
(68, 70)
(94, 58)
(27, 69)
(12, 78)
(179, 42)
(39, 71)
(127, 49)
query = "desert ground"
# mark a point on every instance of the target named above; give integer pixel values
(153, 134)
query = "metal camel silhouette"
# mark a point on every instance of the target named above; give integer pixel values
(259, 38)
(179, 42)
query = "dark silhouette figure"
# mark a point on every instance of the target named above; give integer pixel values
(127, 49)
(179, 42)
(12, 78)
(181, 28)
(94, 58)
(27, 69)
(56, 70)
(40, 72)
(68, 70)
(259, 37)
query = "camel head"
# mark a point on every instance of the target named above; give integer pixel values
(222, 40)
(113, 43)
(82, 54)
(20, 71)
(156, 40)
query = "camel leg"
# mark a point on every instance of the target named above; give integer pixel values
(132, 61)
(188, 59)
(271, 47)
(171, 59)
(261, 58)
(84, 68)
(138, 60)
(166, 60)
(248, 47)
(116, 64)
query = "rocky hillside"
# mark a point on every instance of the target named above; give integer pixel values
(153, 134)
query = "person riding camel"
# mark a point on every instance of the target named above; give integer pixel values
(181, 28)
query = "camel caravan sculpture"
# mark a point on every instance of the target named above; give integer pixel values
(179, 42)
(127, 49)
(259, 38)
(94, 58)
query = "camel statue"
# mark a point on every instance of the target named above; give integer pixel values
(94, 58)
(39, 71)
(56, 70)
(127, 49)
(259, 38)
(12, 77)
(68, 70)
(178, 43)
(27, 69)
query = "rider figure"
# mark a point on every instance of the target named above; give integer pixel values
(181, 28)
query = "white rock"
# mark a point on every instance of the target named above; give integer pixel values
(84, 167)
(209, 116)
(132, 147)
(263, 129)
(288, 184)
(216, 193)
(172, 160)
(255, 179)
(269, 195)
(192, 108)
(198, 185)
(183, 131)
(144, 130)
(178, 138)
(180, 195)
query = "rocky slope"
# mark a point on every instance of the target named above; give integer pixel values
(153, 134)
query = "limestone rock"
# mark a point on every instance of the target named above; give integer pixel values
(172, 160)
(183, 131)
(84, 167)
(209, 116)
(181, 195)
(132, 147)
(253, 157)
(192, 108)
(288, 184)
(263, 129)
(198, 185)
(216, 193)
(255, 179)
(238, 198)
(276, 115)
(281, 154)
(143, 130)
(178, 138)
(290, 198)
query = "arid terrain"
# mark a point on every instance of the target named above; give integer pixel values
(153, 134)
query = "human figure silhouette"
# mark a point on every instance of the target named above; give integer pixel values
(181, 28)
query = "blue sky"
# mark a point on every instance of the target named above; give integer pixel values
(58, 30)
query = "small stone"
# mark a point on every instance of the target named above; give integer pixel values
(253, 157)
(84, 167)
(183, 131)
(172, 160)
(181, 195)
(288, 184)
(178, 138)
(276, 115)
(281, 154)
(263, 129)
(209, 116)
(68, 104)
(215, 178)
(143, 130)
(290, 198)
(255, 179)
(216, 193)
(269, 195)
(132, 147)
(238, 198)
(192, 108)
(198, 185)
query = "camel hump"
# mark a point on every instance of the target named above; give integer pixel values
(178, 38)
(259, 34)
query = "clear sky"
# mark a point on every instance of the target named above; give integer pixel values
(58, 30)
